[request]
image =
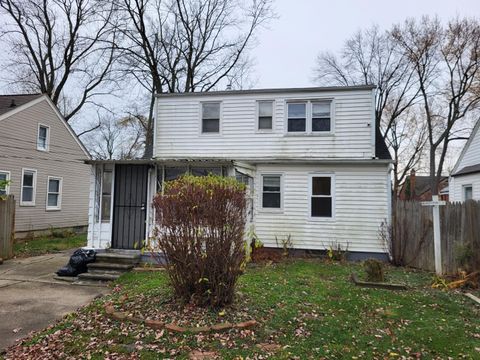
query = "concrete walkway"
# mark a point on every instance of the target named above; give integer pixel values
(31, 298)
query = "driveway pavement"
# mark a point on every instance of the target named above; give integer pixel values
(31, 298)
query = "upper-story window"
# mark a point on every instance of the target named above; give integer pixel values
(43, 138)
(211, 117)
(265, 115)
(309, 117)
(297, 117)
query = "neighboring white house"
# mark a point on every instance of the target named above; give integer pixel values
(43, 160)
(316, 167)
(464, 182)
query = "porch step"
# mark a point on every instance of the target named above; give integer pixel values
(118, 258)
(99, 276)
(109, 267)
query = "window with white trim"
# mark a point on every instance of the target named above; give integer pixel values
(54, 193)
(265, 115)
(271, 191)
(309, 117)
(43, 138)
(321, 197)
(467, 192)
(297, 117)
(29, 183)
(107, 178)
(210, 117)
(4, 179)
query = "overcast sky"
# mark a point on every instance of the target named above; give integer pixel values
(286, 51)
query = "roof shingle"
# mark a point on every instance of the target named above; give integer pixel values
(10, 102)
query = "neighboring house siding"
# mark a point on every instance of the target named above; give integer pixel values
(457, 183)
(178, 132)
(472, 153)
(65, 159)
(361, 204)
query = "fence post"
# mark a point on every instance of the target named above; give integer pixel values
(437, 236)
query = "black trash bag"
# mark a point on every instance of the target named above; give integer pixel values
(78, 263)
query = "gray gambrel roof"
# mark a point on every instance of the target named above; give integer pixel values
(10, 102)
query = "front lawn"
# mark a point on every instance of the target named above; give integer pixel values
(48, 244)
(306, 309)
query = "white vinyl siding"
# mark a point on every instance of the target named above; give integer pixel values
(457, 184)
(54, 193)
(178, 135)
(360, 206)
(29, 185)
(472, 153)
(4, 177)
(43, 137)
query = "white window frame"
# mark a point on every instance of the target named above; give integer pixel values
(8, 177)
(220, 120)
(464, 188)
(60, 190)
(308, 113)
(47, 143)
(257, 116)
(34, 191)
(310, 195)
(260, 193)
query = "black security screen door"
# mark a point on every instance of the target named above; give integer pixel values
(129, 206)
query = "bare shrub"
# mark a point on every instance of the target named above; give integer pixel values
(201, 223)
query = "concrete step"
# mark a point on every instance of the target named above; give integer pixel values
(118, 258)
(98, 276)
(108, 266)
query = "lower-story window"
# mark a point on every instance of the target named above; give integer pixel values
(4, 180)
(54, 193)
(272, 191)
(467, 192)
(29, 183)
(106, 194)
(321, 196)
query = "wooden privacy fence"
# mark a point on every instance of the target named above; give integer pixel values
(412, 236)
(7, 226)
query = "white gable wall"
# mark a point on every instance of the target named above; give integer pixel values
(361, 200)
(178, 128)
(471, 156)
(457, 183)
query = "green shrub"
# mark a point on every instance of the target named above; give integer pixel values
(201, 223)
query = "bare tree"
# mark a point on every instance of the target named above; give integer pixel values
(187, 45)
(60, 47)
(447, 68)
(370, 57)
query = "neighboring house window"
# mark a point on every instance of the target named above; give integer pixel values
(4, 178)
(321, 116)
(54, 193)
(29, 183)
(265, 115)
(211, 117)
(43, 138)
(467, 192)
(271, 192)
(106, 195)
(309, 117)
(173, 173)
(297, 117)
(321, 203)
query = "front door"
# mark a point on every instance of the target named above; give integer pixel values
(129, 206)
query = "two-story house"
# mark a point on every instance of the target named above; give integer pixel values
(316, 168)
(465, 177)
(44, 163)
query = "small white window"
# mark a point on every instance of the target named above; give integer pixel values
(29, 183)
(4, 180)
(321, 116)
(272, 191)
(321, 196)
(297, 117)
(210, 117)
(467, 192)
(107, 180)
(54, 193)
(265, 115)
(43, 138)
